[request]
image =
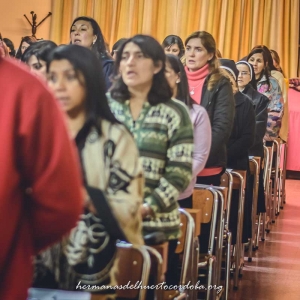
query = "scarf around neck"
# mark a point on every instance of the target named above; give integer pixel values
(196, 80)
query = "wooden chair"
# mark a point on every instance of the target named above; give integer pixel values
(184, 248)
(211, 204)
(227, 182)
(239, 183)
(267, 162)
(254, 163)
(137, 260)
(275, 175)
(282, 174)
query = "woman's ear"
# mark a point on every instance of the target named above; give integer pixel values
(178, 77)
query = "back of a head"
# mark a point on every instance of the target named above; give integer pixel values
(117, 44)
(231, 71)
(10, 45)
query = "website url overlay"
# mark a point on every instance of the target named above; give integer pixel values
(139, 285)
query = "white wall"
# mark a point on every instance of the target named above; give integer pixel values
(13, 24)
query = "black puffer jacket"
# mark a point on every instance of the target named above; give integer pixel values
(242, 135)
(260, 103)
(219, 104)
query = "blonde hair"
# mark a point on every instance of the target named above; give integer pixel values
(209, 44)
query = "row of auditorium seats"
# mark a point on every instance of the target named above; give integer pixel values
(211, 205)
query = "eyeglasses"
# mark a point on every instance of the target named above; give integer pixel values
(244, 73)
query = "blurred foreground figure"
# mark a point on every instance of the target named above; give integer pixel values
(40, 186)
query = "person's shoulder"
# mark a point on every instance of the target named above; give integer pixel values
(18, 77)
(174, 103)
(116, 132)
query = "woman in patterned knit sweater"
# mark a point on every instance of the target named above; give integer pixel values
(112, 176)
(141, 98)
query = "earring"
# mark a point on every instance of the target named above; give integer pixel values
(177, 81)
(94, 42)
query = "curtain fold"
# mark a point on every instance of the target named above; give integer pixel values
(237, 25)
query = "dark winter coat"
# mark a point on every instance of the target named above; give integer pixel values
(260, 103)
(108, 66)
(242, 135)
(219, 104)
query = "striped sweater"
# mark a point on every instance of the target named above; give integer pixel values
(164, 136)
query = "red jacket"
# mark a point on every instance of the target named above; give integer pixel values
(35, 153)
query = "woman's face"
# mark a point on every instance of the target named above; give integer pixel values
(173, 49)
(24, 46)
(172, 77)
(37, 66)
(68, 86)
(244, 76)
(257, 61)
(137, 71)
(196, 55)
(82, 34)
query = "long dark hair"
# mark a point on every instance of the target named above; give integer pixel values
(183, 86)
(27, 39)
(90, 68)
(172, 39)
(99, 47)
(209, 44)
(40, 49)
(160, 91)
(265, 71)
(11, 46)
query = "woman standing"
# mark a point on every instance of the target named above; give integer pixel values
(86, 32)
(112, 177)
(240, 141)
(247, 85)
(161, 126)
(177, 79)
(268, 86)
(210, 89)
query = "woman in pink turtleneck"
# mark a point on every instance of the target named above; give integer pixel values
(210, 89)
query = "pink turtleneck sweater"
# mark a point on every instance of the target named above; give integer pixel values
(196, 80)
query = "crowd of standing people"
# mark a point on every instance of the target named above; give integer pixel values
(103, 146)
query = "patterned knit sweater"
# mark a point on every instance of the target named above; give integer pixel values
(164, 136)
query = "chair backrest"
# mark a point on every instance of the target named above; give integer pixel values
(253, 163)
(133, 266)
(266, 164)
(203, 199)
(227, 181)
(185, 243)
